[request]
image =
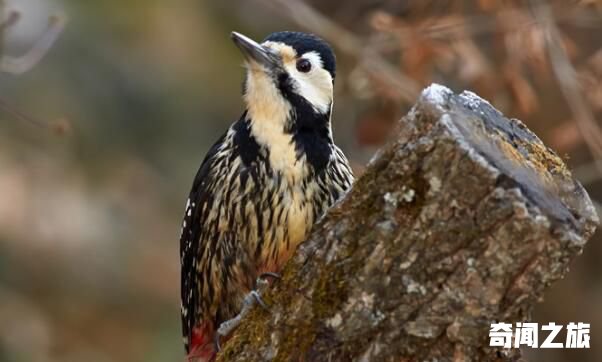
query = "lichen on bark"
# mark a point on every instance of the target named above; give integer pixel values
(463, 219)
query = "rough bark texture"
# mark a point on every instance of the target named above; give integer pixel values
(462, 220)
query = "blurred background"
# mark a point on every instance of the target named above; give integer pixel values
(108, 107)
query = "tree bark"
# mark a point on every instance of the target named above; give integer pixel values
(462, 220)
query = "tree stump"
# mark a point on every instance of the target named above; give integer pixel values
(462, 220)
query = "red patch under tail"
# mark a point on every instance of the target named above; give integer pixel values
(202, 344)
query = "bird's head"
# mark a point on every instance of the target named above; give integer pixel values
(290, 78)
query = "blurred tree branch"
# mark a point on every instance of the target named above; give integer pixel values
(21, 64)
(567, 78)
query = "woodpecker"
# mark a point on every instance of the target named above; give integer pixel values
(262, 185)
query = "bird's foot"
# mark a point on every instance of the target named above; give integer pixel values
(254, 296)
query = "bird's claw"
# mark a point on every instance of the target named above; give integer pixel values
(261, 283)
(254, 296)
(270, 274)
(258, 299)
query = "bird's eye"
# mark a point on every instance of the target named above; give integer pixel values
(303, 65)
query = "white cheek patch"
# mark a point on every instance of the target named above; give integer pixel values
(316, 85)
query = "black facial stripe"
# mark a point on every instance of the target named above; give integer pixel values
(246, 145)
(310, 128)
(305, 114)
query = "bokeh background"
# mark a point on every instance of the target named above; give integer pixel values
(107, 108)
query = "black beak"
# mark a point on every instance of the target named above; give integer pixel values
(256, 52)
